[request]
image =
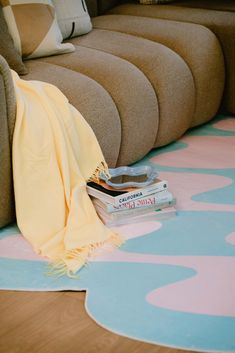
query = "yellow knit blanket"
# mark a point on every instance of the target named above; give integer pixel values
(55, 153)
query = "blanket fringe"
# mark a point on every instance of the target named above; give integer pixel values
(59, 267)
(80, 256)
(101, 169)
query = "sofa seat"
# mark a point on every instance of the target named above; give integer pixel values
(156, 81)
(141, 78)
(133, 75)
(7, 121)
(194, 43)
(117, 77)
(162, 67)
(218, 16)
(91, 98)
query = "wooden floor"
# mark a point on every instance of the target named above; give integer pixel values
(56, 322)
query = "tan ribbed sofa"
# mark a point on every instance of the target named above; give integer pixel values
(143, 76)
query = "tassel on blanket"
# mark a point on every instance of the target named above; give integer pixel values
(78, 258)
(101, 169)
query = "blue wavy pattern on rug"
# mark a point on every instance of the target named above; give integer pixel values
(172, 282)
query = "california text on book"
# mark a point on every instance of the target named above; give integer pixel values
(117, 197)
(156, 199)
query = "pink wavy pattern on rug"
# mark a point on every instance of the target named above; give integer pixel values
(18, 248)
(205, 152)
(196, 294)
(226, 124)
(231, 238)
(129, 231)
(185, 185)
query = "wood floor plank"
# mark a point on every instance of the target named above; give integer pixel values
(56, 322)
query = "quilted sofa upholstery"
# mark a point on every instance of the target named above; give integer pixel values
(143, 76)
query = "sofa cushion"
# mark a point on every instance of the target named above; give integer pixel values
(162, 67)
(89, 97)
(130, 90)
(6, 182)
(194, 43)
(7, 49)
(34, 28)
(220, 22)
(73, 17)
(7, 122)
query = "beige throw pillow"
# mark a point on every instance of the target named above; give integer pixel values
(34, 28)
(73, 17)
(7, 49)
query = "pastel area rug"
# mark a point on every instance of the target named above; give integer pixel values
(173, 282)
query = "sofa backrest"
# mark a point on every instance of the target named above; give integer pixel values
(7, 122)
(98, 7)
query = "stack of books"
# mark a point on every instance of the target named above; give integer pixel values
(123, 206)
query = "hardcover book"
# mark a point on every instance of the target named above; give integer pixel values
(118, 218)
(117, 197)
(160, 199)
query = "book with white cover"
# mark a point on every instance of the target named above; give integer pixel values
(159, 199)
(112, 220)
(117, 197)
